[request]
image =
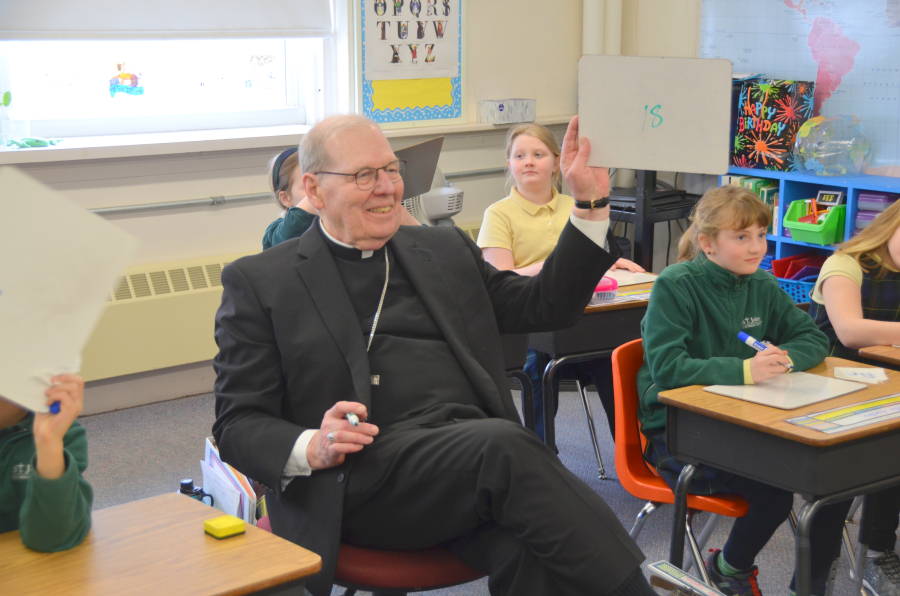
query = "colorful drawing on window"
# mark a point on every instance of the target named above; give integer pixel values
(261, 71)
(125, 82)
(403, 81)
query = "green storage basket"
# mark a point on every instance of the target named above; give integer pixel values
(830, 231)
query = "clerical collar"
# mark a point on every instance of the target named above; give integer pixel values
(341, 249)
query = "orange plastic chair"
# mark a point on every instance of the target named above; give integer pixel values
(639, 479)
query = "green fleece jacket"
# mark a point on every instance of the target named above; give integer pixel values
(690, 331)
(52, 515)
(292, 225)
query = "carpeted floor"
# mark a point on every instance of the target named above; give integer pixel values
(146, 451)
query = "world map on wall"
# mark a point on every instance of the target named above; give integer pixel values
(849, 48)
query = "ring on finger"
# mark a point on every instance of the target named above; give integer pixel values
(330, 437)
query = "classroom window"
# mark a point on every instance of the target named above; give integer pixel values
(88, 88)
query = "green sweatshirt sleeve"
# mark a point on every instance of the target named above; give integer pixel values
(56, 514)
(793, 330)
(294, 223)
(668, 329)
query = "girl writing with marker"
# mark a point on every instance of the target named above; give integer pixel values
(697, 307)
(518, 233)
(856, 303)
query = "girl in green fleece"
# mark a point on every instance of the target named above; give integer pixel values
(42, 459)
(697, 307)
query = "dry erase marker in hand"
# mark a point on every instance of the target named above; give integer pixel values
(352, 418)
(756, 345)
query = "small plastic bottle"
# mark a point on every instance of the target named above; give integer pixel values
(194, 492)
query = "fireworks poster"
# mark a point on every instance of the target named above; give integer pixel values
(412, 59)
(769, 114)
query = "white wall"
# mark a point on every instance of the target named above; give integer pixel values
(513, 49)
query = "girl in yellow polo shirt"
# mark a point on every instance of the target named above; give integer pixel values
(520, 231)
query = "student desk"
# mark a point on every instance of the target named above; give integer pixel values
(755, 441)
(601, 329)
(888, 354)
(157, 546)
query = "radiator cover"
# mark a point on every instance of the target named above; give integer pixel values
(158, 316)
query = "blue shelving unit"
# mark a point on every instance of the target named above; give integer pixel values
(794, 186)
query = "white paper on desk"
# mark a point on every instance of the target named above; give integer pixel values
(58, 263)
(226, 498)
(237, 480)
(865, 375)
(628, 278)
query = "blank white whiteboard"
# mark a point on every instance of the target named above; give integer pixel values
(648, 113)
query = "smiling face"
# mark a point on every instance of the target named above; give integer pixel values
(738, 251)
(532, 165)
(364, 219)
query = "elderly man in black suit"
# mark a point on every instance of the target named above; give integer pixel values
(401, 327)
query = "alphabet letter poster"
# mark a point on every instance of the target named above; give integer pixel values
(411, 51)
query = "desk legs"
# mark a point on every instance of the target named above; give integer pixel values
(547, 383)
(676, 548)
(527, 396)
(803, 556)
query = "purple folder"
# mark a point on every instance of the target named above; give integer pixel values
(806, 272)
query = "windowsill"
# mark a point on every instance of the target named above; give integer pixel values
(172, 143)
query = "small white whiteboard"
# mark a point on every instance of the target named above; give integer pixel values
(57, 265)
(789, 391)
(663, 114)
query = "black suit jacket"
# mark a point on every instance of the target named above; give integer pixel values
(290, 347)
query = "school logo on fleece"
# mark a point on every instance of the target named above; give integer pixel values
(750, 322)
(21, 471)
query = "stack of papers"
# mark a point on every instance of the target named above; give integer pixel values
(231, 490)
(864, 375)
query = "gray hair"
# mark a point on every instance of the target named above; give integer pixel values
(313, 153)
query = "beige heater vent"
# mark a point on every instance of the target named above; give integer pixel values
(471, 229)
(158, 316)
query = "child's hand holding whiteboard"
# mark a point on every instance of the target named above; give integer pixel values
(57, 265)
(664, 114)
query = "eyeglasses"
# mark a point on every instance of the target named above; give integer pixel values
(368, 177)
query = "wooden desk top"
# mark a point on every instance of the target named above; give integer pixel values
(155, 546)
(623, 305)
(888, 354)
(772, 420)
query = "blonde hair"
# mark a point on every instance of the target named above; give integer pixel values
(545, 136)
(722, 208)
(282, 180)
(870, 248)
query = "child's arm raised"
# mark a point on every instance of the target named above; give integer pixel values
(56, 513)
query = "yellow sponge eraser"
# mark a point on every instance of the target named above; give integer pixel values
(224, 526)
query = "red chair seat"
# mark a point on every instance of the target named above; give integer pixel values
(424, 569)
(406, 570)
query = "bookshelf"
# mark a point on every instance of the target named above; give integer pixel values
(794, 186)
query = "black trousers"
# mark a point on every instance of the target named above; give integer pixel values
(883, 508)
(498, 498)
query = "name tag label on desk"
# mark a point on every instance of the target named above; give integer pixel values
(848, 417)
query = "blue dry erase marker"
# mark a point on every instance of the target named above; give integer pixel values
(352, 418)
(756, 345)
(54, 408)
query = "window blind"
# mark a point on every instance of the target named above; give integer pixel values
(162, 19)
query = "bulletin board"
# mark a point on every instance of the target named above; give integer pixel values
(411, 59)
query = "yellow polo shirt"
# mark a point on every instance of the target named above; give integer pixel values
(529, 231)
